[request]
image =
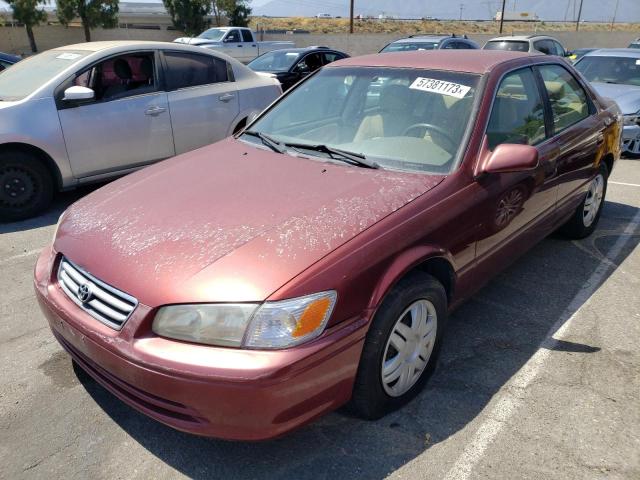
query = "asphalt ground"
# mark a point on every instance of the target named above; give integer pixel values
(539, 378)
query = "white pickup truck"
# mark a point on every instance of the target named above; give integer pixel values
(237, 42)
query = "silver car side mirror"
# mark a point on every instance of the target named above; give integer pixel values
(78, 93)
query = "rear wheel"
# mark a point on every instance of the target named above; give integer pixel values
(401, 347)
(585, 219)
(26, 186)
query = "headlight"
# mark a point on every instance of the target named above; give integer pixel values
(630, 119)
(271, 325)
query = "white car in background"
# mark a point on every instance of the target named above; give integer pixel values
(93, 111)
(237, 42)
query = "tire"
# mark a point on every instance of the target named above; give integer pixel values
(372, 396)
(585, 219)
(26, 186)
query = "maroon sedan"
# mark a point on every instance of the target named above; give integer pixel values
(244, 289)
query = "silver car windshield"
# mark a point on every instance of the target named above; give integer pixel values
(214, 34)
(623, 70)
(25, 77)
(512, 45)
(407, 47)
(401, 119)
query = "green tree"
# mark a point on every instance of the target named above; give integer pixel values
(237, 11)
(190, 16)
(30, 13)
(92, 14)
(239, 15)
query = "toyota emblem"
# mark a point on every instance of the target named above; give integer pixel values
(84, 293)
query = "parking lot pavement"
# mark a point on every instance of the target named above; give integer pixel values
(539, 378)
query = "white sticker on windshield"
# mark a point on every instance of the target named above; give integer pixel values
(440, 86)
(68, 56)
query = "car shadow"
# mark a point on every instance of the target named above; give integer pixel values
(489, 339)
(60, 203)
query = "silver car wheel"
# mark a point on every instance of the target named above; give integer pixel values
(631, 146)
(593, 201)
(409, 347)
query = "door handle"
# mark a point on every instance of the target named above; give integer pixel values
(226, 97)
(154, 111)
(239, 46)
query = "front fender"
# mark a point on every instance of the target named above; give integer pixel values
(402, 264)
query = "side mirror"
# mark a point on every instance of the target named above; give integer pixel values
(511, 157)
(78, 93)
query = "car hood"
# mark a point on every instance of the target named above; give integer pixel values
(196, 41)
(626, 96)
(230, 222)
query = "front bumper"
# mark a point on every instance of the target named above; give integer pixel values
(221, 392)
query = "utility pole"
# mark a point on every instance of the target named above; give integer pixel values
(461, 9)
(579, 15)
(502, 15)
(351, 17)
(615, 12)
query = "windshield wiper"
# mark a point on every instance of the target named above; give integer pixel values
(267, 140)
(337, 154)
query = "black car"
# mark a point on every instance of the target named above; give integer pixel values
(6, 60)
(291, 65)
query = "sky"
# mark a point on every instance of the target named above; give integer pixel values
(593, 10)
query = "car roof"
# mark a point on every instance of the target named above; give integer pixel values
(428, 37)
(471, 61)
(307, 49)
(615, 52)
(118, 45)
(519, 38)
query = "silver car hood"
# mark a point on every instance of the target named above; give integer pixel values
(626, 96)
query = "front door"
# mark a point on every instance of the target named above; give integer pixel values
(127, 123)
(202, 97)
(518, 208)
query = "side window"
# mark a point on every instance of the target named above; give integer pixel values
(4, 65)
(450, 45)
(517, 115)
(247, 36)
(463, 46)
(119, 77)
(568, 99)
(233, 36)
(310, 63)
(560, 51)
(545, 46)
(331, 57)
(191, 69)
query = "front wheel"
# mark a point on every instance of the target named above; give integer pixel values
(401, 347)
(585, 219)
(26, 186)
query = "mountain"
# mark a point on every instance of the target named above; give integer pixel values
(593, 10)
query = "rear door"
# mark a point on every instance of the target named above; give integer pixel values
(203, 100)
(578, 132)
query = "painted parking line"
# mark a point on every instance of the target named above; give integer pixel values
(626, 184)
(506, 403)
(20, 255)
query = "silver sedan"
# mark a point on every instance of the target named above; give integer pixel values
(93, 111)
(615, 73)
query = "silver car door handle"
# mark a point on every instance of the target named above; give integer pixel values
(154, 111)
(226, 97)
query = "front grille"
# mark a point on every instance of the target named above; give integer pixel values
(103, 302)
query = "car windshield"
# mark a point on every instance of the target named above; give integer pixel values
(276, 61)
(623, 70)
(26, 76)
(512, 45)
(214, 34)
(401, 119)
(406, 46)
